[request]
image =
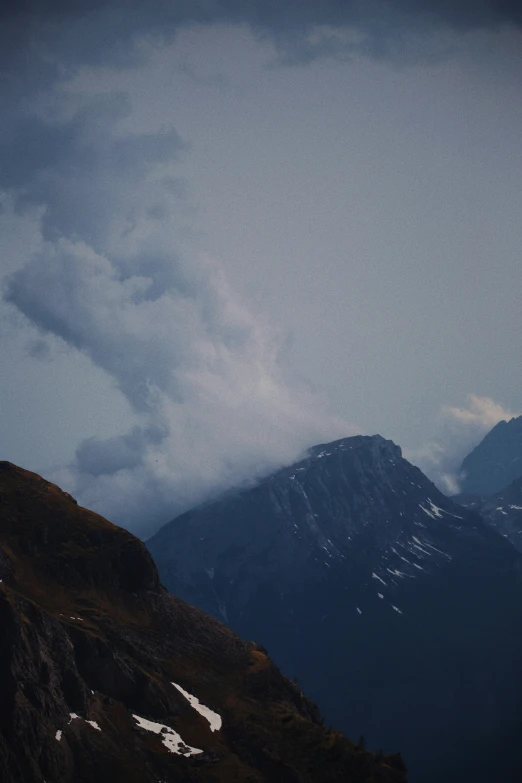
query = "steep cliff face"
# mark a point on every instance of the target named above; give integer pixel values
(399, 611)
(496, 461)
(106, 677)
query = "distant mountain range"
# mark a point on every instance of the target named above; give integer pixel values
(105, 678)
(492, 480)
(495, 462)
(399, 611)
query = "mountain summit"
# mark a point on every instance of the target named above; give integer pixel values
(106, 678)
(491, 480)
(495, 462)
(386, 600)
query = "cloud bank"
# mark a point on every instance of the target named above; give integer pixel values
(201, 373)
(89, 31)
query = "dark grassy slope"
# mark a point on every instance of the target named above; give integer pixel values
(400, 612)
(86, 628)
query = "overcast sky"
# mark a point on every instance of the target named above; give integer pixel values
(231, 230)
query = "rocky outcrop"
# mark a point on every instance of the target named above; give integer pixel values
(106, 677)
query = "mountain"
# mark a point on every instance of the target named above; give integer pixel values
(397, 610)
(491, 482)
(502, 511)
(105, 677)
(495, 462)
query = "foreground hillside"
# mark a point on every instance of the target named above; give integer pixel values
(106, 677)
(379, 593)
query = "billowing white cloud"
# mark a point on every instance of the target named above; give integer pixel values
(201, 373)
(480, 412)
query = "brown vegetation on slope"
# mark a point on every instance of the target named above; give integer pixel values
(88, 630)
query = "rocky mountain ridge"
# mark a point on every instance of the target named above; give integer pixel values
(387, 600)
(105, 677)
(495, 462)
(492, 480)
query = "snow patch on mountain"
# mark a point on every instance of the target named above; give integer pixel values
(170, 738)
(212, 717)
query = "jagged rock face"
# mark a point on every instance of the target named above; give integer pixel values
(502, 511)
(399, 611)
(495, 462)
(105, 677)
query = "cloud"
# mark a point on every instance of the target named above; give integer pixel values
(481, 412)
(85, 169)
(461, 429)
(212, 404)
(441, 461)
(106, 457)
(92, 31)
(200, 372)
